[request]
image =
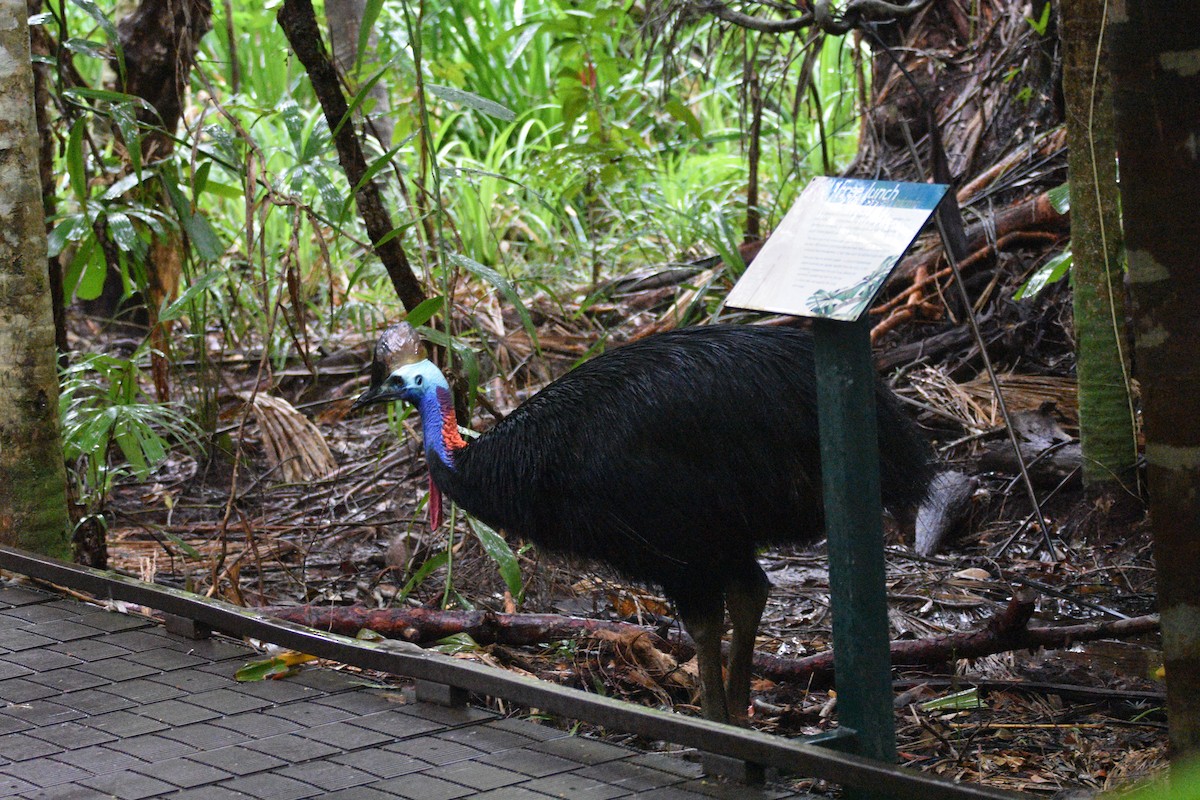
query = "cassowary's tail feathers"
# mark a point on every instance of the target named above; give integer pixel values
(906, 460)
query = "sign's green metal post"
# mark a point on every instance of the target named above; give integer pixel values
(853, 520)
(829, 256)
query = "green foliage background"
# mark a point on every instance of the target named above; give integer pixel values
(538, 147)
(553, 142)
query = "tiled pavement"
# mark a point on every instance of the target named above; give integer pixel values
(97, 704)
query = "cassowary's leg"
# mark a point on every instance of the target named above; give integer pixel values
(746, 597)
(706, 627)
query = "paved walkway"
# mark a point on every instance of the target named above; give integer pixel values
(96, 704)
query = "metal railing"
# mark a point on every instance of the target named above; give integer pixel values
(409, 660)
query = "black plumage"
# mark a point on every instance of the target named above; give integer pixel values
(672, 459)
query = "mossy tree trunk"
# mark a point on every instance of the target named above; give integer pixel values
(1156, 71)
(1105, 410)
(33, 481)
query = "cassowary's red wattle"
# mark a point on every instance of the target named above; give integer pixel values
(672, 459)
(451, 442)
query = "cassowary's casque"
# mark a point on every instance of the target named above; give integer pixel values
(672, 459)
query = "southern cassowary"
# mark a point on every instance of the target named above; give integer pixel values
(672, 459)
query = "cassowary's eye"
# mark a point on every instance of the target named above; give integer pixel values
(420, 379)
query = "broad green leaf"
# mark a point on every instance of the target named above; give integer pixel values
(331, 193)
(92, 270)
(1042, 23)
(373, 169)
(228, 191)
(75, 165)
(75, 268)
(204, 238)
(294, 123)
(110, 32)
(71, 228)
(675, 107)
(276, 667)
(574, 100)
(499, 551)
(361, 96)
(968, 698)
(183, 546)
(524, 35)
(85, 47)
(316, 137)
(1051, 272)
(122, 114)
(95, 432)
(456, 643)
(392, 234)
(425, 310)
(120, 228)
(131, 447)
(1060, 198)
(423, 572)
(107, 96)
(370, 14)
(152, 221)
(122, 186)
(180, 306)
(200, 179)
(472, 100)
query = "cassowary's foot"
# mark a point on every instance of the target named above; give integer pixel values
(746, 599)
(706, 631)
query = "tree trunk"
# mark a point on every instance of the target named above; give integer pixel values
(299, 24)
(1097, 274)
(1156, 71)
(33, 480)
(42, 77)
(159, 40)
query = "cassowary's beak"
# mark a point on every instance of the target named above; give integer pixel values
(373, 394)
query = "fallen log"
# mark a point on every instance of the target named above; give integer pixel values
(1005, 632)
(429, 625)
(1034, 214)
(1049, 453)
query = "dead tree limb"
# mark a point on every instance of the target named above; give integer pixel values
(1034, 214)
(1005, 632)
(299, 24)
(427, 625)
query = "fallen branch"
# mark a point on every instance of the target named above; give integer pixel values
(1067, 691)
(1036, 214)
(428, 625)
(1003, 633)
(1043, 146)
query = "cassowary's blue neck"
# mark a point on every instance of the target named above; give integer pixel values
(439, 426)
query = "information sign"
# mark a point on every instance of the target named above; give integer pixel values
(835, 247)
